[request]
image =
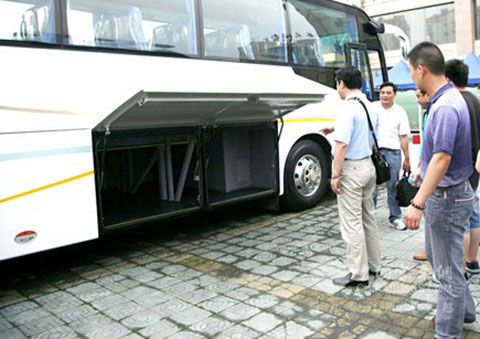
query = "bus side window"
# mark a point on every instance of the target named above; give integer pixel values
(38, 24)
(171, 37)
(130, 30)
(105, 27)
(124, 31)
(238, 43)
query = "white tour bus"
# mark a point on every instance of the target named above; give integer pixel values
(116, 113)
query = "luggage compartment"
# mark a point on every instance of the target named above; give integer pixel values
(161, 155)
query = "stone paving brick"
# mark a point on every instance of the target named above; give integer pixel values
(163, 282)
(76, 313)
(187, 335)
(327, 286)
(197, 296)
(63, 332)
(172, 306)
(21, 307)
(161, 329)
(190, 316)
(109, 302)
(4, 325)
(12, 334)
(187, 274)
(91, 323)
(40, 325)
(58, 301)
(141, 320)
(247, 264)
(425, 294)
(285, 275)
(123, 311)
(179, 289)
(28, 316)
(240, 312)
(264, 270)
(212, 326)
(263, 322)
(218, 304)
(263, 301)
(237, 332)
(291, 329)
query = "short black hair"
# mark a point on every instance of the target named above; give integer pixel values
(389, 84)
(429, 55)
(457, 71)
(424, 92)
(351, 77)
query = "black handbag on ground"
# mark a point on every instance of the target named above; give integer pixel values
(405, 191)
(382, 169)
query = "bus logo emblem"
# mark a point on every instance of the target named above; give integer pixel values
(25, 237)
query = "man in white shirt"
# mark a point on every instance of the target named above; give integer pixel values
(393, 130)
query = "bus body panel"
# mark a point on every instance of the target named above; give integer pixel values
(78, 89)
(47, 188)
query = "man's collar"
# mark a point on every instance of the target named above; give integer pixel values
(359, 95)
(440, 92)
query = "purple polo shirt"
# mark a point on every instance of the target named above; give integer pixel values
(448, 130)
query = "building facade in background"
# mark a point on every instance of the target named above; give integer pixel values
(453, 25)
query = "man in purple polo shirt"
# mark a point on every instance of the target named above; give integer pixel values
(445, 195)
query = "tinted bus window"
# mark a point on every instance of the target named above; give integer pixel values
(164, 25)
(32, 20)
(245, 30)
(319, 33)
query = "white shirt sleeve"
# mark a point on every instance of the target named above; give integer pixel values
(404, 128)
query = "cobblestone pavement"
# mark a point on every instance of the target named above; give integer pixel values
(239, 273)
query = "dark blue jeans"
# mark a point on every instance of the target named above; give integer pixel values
(394, 160)
(447, 214)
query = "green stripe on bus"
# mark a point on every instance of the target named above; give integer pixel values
(44, 153)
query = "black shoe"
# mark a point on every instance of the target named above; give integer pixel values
(472, 267)
(347, 281)
(376, 274)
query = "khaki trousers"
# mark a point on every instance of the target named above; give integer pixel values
(357, 217)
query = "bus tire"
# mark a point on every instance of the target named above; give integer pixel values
(306, 176)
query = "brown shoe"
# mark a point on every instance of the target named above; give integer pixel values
(422, 256)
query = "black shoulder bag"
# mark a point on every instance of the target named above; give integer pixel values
(382, 169)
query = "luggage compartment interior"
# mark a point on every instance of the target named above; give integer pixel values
(147, 174)
(241, 161)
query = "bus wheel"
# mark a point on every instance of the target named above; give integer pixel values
(306, 176)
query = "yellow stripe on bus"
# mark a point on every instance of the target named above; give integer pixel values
(309, 119)
(46, 187)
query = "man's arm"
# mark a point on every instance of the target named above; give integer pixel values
(340, 149)
(435, 171)
(406, 153)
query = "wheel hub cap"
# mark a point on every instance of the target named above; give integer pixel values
(307, 175)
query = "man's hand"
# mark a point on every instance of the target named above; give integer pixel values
(335, 185)
(327, 130)
(416, 178)
(406, 165)
(413, 216)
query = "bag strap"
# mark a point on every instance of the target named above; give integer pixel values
(369, 121)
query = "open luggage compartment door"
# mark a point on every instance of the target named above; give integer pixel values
(164, 154)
